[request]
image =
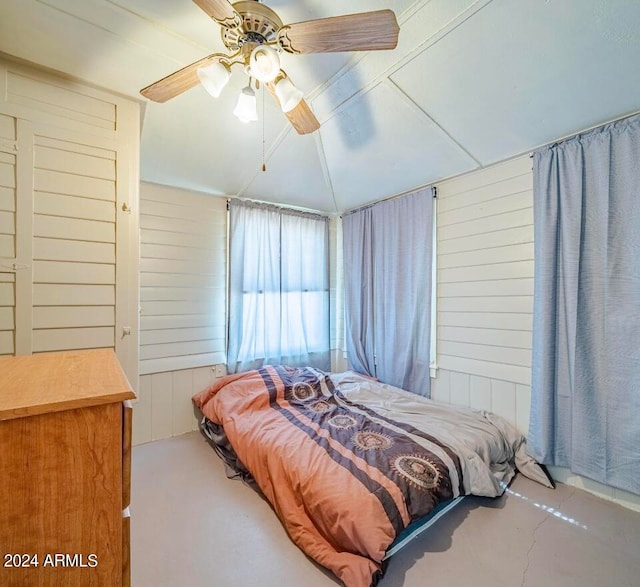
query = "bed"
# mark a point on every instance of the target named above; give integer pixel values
(351, 466)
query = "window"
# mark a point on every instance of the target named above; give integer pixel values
(278, 287)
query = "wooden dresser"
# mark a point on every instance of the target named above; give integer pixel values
(65, 462)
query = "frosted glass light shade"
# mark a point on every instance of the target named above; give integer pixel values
(246, 109)
(288, 95)
(264, 63)
(214, 77)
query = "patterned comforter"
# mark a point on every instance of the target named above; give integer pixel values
(347, 463)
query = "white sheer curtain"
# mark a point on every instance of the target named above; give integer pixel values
(278, 287)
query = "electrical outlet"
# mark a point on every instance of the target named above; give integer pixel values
(219, 371)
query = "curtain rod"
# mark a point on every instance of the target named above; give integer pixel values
(276, 207)
(434, 191)
(582, 132)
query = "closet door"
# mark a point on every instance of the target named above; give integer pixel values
(7, 234)
(68, 217)
(74, 244)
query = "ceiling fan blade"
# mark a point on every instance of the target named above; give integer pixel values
(179, 81)
(222, 12)
(367, 31)
(301, 117)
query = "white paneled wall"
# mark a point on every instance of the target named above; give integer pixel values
(182, 279)
(182, 306)
(164, 406)
(485, 272)
(485, 299)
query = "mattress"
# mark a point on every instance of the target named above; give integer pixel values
(354, 468)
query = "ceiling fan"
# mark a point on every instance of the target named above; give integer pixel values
(255, 36)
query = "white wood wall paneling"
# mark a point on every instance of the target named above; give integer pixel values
(498, 238)
(501, 254)
(44, 98)
(452, 199)
(179, 349)
(490, 320)
(485, 288)
(170, 224)
(488, 176)
(182, 362)
(177, 322)
(507, 270)
(517, 339)
(505, 398)
(508, 203)
(164, 406)
(486, 352)
(479, 393)
(159, 294)
(173, 335)
(497, 304)
(183, 279)
(174, 280)
(499, 287)
(517, 218)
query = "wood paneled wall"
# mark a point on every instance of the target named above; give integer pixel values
(164, 408)
(183, 262)
(485, 272)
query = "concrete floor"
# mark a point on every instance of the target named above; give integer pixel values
(193, 527)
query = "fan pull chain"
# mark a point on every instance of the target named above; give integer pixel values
(264, 164)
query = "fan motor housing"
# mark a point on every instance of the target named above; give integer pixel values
(260, 24)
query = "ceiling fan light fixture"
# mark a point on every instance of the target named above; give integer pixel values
(288, 94)
(214, 77)
(264, 63)
(246, 109)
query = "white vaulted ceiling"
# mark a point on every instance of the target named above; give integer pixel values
(471, 82)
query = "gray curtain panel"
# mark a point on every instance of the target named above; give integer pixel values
(278, 287)
(357, 237)
(585, 411)
(387, 266)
